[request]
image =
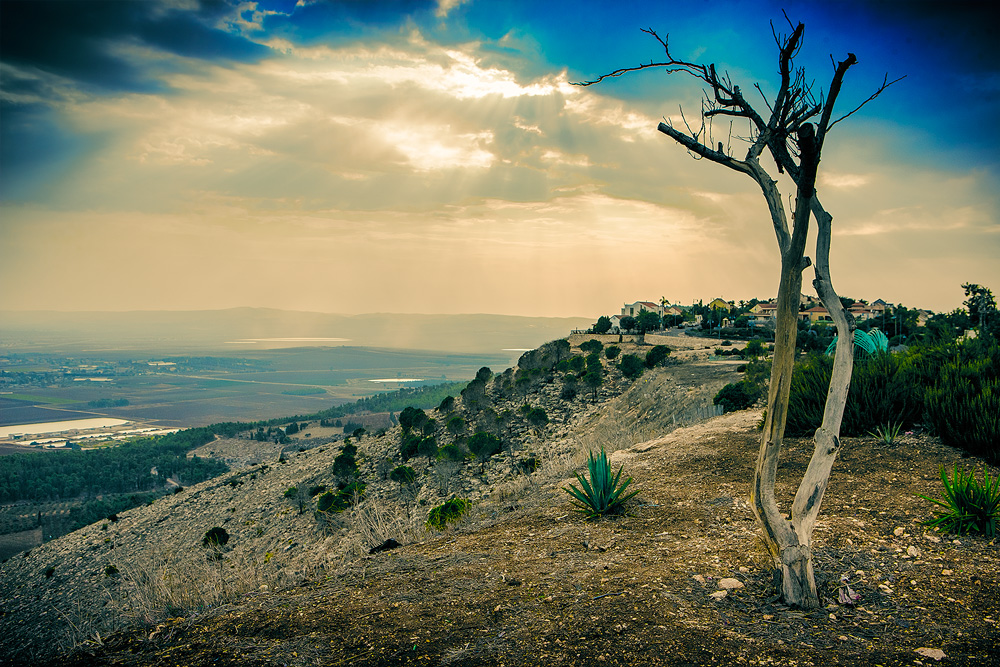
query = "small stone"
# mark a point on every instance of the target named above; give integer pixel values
(956, 541)
(842, 638)
(744, 569)
(718, 595)
(700, 579)
(729, 583)
(932, 538)
(912, 551)
(933, 653)
(947, 573)
(548, 599)
(767, 617)
(850, 542)
(898, 531)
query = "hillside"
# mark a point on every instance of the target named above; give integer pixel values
(521, 579)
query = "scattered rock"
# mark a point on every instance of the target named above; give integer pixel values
(718, 595)
(729, 583)
(898, 531)
(912, 551)
(933, 653)
(699, 578)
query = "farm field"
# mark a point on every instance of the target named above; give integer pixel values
(190, 390)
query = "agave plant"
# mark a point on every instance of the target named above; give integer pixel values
(969, 506)
(871, 342)
(888, 434)
(602, 494)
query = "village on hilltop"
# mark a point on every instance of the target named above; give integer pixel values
(756, 317)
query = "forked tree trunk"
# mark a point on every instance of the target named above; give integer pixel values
(788, 540)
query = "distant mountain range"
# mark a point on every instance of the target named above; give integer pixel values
(238, 329)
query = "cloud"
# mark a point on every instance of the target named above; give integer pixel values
(83, 41)
(445, 7)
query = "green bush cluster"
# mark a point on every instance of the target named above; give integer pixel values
(631, 366)
(447, 512)
(951, 388)
(963, 407)
(342, 499)
(737, 396)
(346, 463)
(215, 537)
(656, 356)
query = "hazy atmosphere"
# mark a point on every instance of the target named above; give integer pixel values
(433, 157)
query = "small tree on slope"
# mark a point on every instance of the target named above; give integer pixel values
(795, 145)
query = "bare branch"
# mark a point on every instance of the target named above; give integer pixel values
(700, 149)
(885, 84)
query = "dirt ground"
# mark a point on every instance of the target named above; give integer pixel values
(532, 583)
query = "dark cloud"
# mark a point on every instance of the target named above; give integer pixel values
(78, 40)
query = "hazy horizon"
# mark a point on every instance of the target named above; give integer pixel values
(435, 158)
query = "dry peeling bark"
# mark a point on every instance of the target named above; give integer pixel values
(795, 144)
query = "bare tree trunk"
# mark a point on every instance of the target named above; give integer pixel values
(788, 540)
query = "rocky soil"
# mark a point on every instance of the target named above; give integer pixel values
(150, 562)
(682, 579)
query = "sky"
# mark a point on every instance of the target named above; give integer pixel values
(407, 156)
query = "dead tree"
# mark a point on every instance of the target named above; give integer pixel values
(795, 142)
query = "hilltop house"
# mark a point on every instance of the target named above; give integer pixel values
(765, 312)
(815, 314)
(720, 304)
(633, 309)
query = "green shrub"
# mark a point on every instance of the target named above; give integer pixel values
(969, 506)
(316, 490)
(484, 445)
(447, 403)
(754, 348)
(568, 393)
(594, 362)
(451, 452)
(427, 447)
(345, 465)
(656, 356)
(411, 443)
(963, 407)
(342, 499)
(591, 346)
(290, 492)
(326, 501)
(602, 494)
(737, 396)
(612, 351)
(215, 537)
(537, 417)
(446, 513)
(110, 570)
(529, 464)
(403, 475)
(881, 392)
(455, 425)
(631, 366)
